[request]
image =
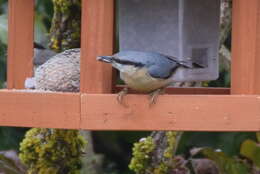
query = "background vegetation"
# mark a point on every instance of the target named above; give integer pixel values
(116, 147)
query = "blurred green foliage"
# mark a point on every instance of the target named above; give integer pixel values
(225, 163)
(251, 150)
(3, 28)
(116, 146)
(3, 41)
(10, 137)
(3, 48)
(10, 163)
(43, 17)
(228, 142)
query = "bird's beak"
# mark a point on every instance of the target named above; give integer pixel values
(106, 59)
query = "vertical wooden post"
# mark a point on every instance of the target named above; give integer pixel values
(96, 40)
(20, 42)
(245, 77)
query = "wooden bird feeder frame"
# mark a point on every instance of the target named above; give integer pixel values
(96, 108)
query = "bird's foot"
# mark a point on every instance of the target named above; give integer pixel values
(154, 95)
(121, 95)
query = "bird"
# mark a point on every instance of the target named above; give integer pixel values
(146, 72)
(41, 54)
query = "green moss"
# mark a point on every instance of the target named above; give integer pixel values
(141, 155)
(65, 28)
(55, 43)
(63, 5)
(171, 141)
(141, 162)
(52, 151)
(167, 162)
(75, 35)
(161, 169)
(258, 137)
(205, 83)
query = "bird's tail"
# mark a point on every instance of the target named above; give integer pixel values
(186, 64)
(190, 64)
(106, 59)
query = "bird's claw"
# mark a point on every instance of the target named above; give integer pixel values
(154, 95)
(121, 95)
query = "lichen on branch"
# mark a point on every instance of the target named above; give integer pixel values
(52, 151)
(156, 153)
(66, 24)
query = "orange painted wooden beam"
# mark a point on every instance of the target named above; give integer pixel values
(191, 90)
(96, 40)
(47, 110)
(171, 112)
(245, 47)
(102, 112)
(20, 42)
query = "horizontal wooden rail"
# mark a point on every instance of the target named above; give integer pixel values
(27, 109)
(172, 112)
(102, 112)
(189, 90)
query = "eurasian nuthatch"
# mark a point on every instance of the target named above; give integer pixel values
(147, 72)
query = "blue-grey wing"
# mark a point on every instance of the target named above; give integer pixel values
(146, 58)
(162, 71)
(149, 58)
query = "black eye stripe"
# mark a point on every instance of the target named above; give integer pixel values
(126, 62)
